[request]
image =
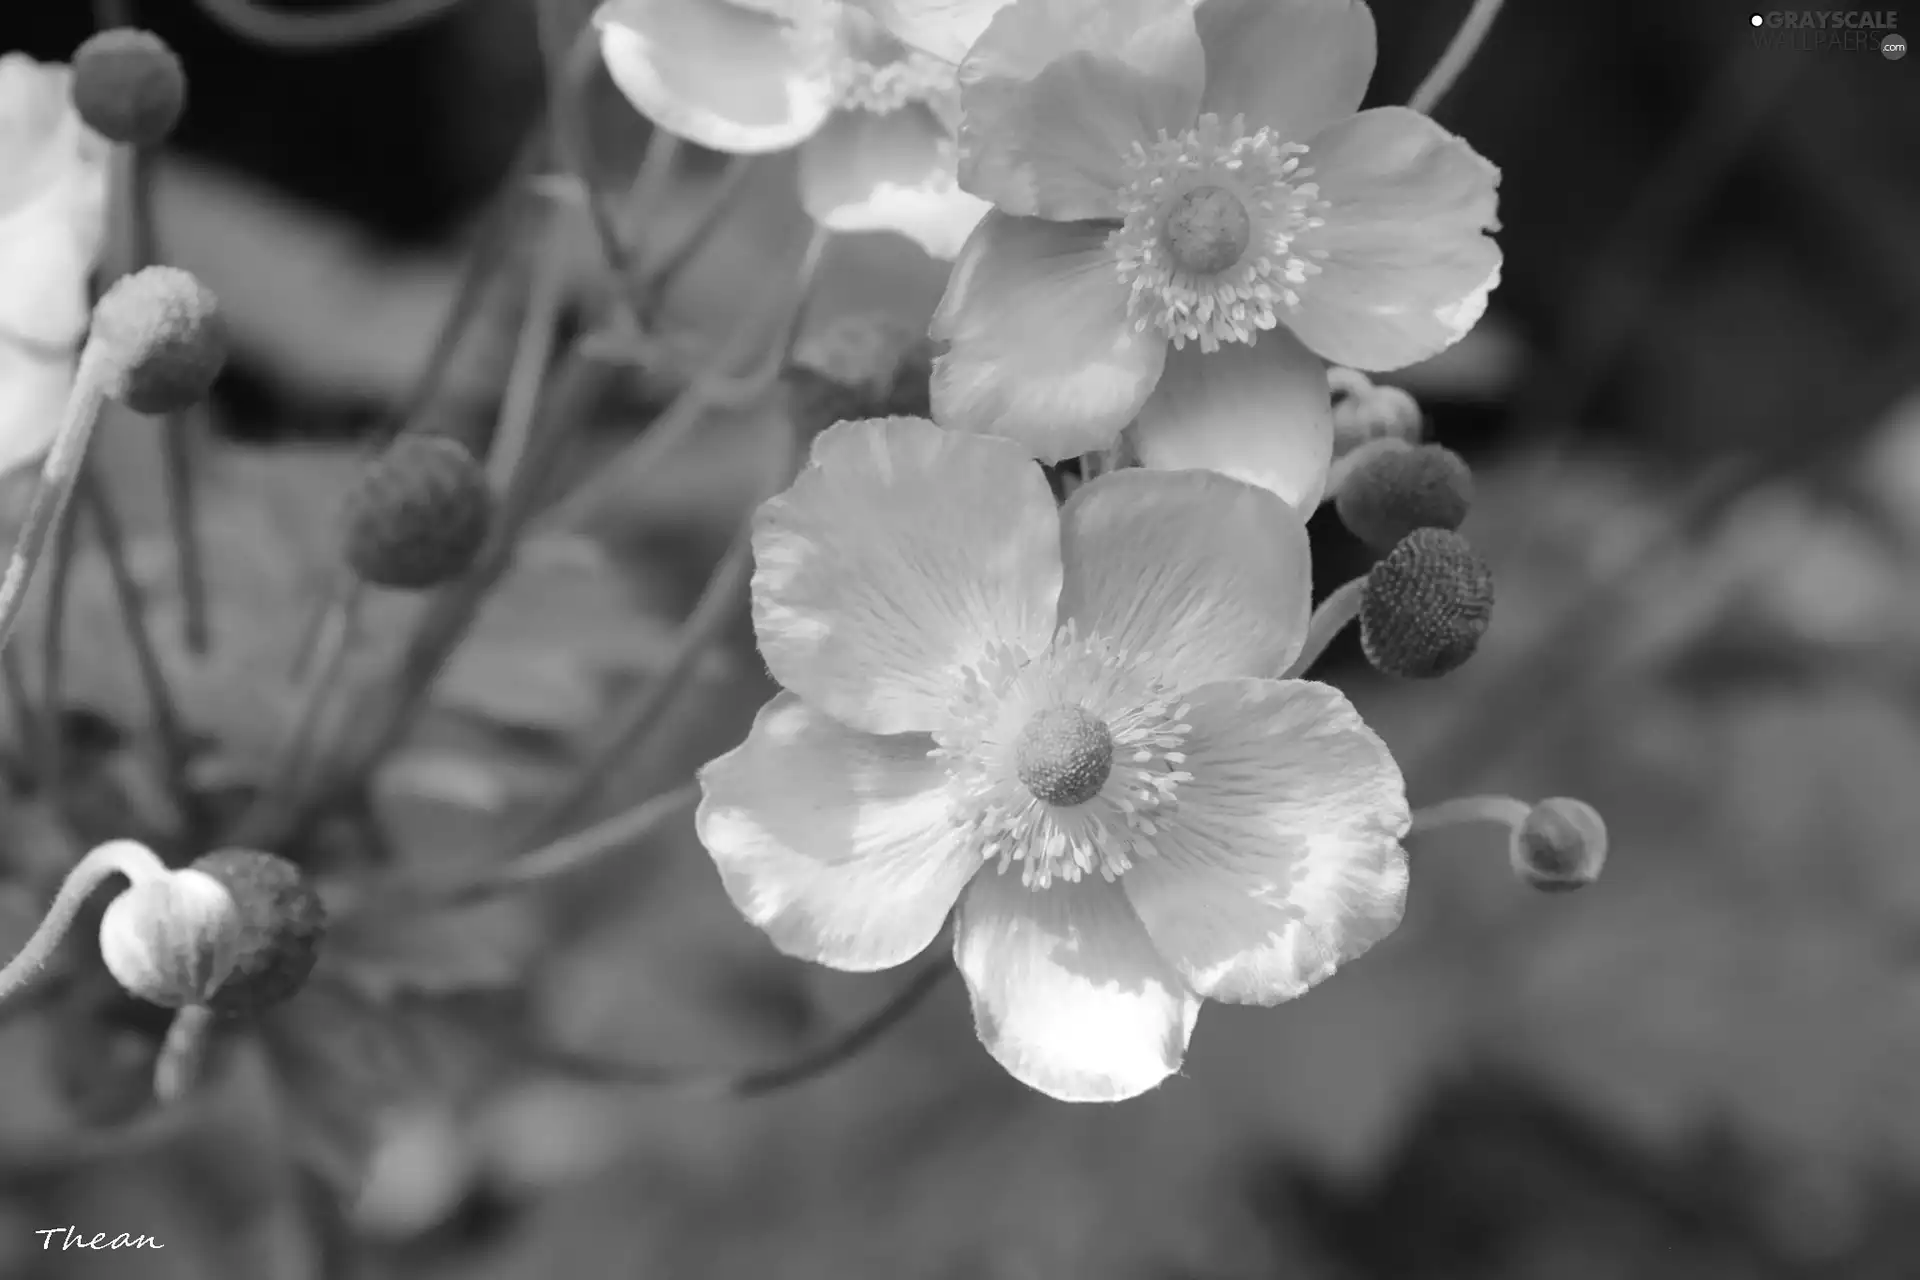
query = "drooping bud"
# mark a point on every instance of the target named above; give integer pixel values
(1365, 410)
(159, 335)
(1561, 846)
(1425, 605)
(172, 938)
(1393, 491)
(863, 365)
(419, 514)
(281, 922)
(129, 86)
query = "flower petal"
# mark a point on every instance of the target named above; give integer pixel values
(1261, 413)
(841, 845)
(893, 172)
(901, 555)
(1282, 859)
(1295, 66)
(1057, 93)
(1043, 350)
(33, 395)
(727, 77)
(943, 28)
(1408, 264)
(53, 208)
(1068, 993)
(1209, 576)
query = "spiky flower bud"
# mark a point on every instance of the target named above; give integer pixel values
(281, 922)
(419, 514)
(1393, 491)
(160, 338)
(172, 938)
(129, 86)
(1425, 605)
(1561, 846)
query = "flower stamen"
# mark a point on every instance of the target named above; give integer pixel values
(1206, 242)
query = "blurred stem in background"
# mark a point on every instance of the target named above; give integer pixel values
(1458, 55)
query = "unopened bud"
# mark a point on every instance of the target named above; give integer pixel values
(1365, 410)
(171, 938)
(281, 922)
(1562, 845)
(161, 339)
(1425, 605)
(128, 86)
(1393, 491)
(419, 514)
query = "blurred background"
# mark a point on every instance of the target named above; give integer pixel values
(1693, 411)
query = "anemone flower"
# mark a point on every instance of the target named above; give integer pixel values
(1191, 215)
(53, 201)
(874, 120)
(1065, 722)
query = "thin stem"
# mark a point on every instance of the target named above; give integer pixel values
(532, 357)
(58, 475)
(127, 857)
(661, 269)
(1329, 620)
(172, 742)
(715, 386)
(562, 857)
(1499, 811)
(53, 670)
(760, 1081)
(1466, 43)
(185, 1048)
(334, 643)
(26, 713)
(324, 32)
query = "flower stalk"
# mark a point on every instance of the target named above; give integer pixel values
(117, 857)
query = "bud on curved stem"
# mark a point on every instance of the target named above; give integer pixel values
(123, 857)
(1556, 845)
(1331, 618)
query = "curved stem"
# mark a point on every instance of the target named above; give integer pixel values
(185, 1048)
(1466, 43)
(1500, 811)
(659, 270)
(58, 475)
(323, 32)
(127, 857)
(1328, 621)
(759, 1081)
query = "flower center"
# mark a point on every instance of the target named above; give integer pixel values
(1064, 755)
(1206, 243)
(1207, 230)
(1063, 761)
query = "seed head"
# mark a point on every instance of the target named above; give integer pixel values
(172, 938)
(1561, 846)
(1425, 605)
(160, 338)
(419, 514)
(1396, 490)
(281, 922)
(129, 86)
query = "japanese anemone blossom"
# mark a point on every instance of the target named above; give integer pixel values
(1191, 212)
(1067, 722)
(874, 121)
(53, 201)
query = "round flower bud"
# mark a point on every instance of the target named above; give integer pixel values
(1562, 845)
(172, 938)
(1394, 491)
(281, 921)
(1425, 605)
(161, 338)
(419, 514)
(129, 86)
(1371, 411)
